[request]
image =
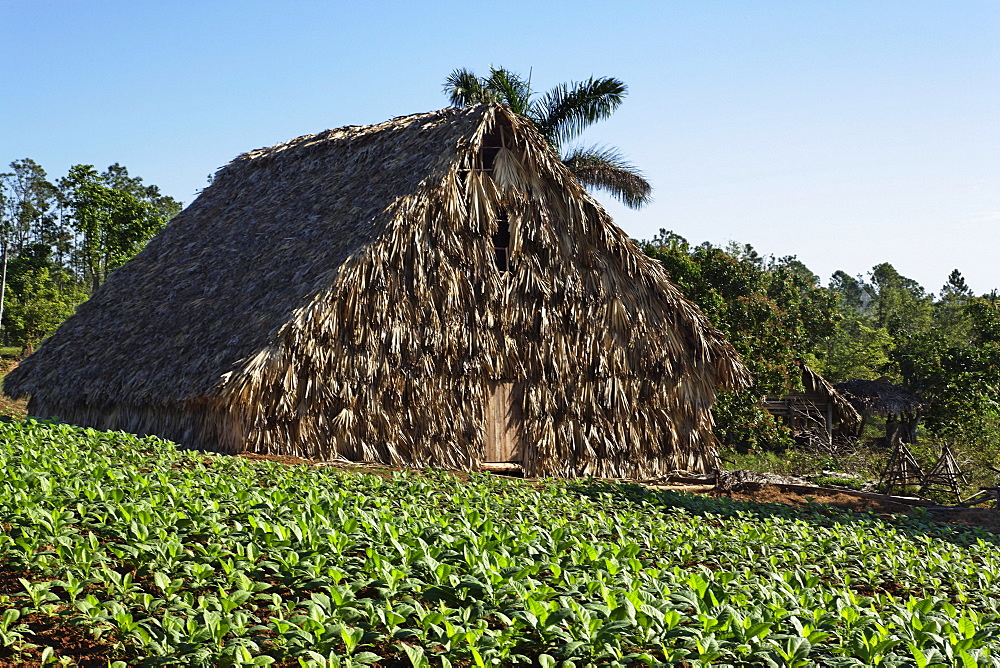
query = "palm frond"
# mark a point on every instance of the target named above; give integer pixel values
(566, 110)
(465, 89)
(509, 88)
(606, 169)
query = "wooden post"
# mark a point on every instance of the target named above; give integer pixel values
(829, 422)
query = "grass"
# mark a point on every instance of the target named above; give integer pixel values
(124, 551)
(839, 481)
(863, 462)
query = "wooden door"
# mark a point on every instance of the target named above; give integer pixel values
(503, 422)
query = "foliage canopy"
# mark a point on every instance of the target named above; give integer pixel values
(61, 239)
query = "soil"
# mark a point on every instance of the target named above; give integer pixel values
(14, 409)
(49, 630)
(987, 518)
(9, 407)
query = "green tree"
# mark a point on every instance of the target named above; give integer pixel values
(773, 311)
(857, 350)
(854, 293)
(561, 115)
(960, 381)
(878, 321)
(30, 201)
(902, 306)
(26, 199)
(951, 312)
(39, 305)
(859, 347)
(56, 239)
(41, 293)
(113, 216)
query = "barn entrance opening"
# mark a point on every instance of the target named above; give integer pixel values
(504, 445)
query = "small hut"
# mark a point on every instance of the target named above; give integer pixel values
(818, 411)
(900, 408)
(435, 290)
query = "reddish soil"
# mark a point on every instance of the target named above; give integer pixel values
(9, 407)
(15, 409)
(837, 499)
(988, 518)
(71, 642)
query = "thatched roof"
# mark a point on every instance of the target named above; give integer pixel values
(233, 268)
(816, 397)
(843, 412)
(335, 295)
(878, 397)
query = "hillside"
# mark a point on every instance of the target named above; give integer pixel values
(120, 549)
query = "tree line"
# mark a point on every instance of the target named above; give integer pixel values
(944, 347)
(59, 240)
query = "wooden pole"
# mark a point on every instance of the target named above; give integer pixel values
(3, 286)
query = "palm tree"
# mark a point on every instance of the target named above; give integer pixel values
(560, 115)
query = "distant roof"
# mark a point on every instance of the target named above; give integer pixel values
(878, 397)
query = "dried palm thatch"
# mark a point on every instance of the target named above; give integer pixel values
(336, 296)
(900, 408)
(843, 412)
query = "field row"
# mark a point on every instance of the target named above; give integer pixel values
(158, 556)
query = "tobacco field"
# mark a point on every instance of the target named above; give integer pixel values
(159, 556)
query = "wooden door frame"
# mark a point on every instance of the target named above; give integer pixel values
(503, 428)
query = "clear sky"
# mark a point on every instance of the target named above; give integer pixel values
(845, 132)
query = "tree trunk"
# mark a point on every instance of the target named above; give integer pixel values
(3, 288)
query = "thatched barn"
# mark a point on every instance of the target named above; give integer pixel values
(818, 411)
(879, 398)
(435, 290)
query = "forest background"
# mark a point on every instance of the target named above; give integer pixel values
(61, 238)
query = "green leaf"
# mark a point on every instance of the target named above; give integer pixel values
(416, 655)
(546, 661)
(161, 581)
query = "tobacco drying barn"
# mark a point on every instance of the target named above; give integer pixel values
(436, 290)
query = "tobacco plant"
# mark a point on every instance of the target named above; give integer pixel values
(177, 557)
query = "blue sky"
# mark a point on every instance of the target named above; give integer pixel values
(847, 133)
